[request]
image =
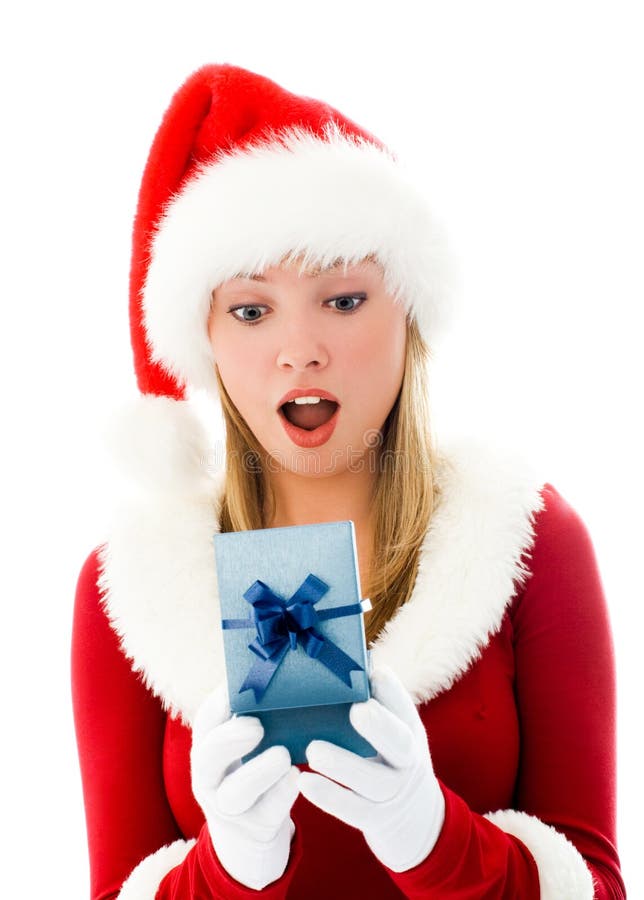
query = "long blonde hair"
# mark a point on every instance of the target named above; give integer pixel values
(405, 492)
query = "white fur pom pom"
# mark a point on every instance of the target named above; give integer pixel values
(160, 445)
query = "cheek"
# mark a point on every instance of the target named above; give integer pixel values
(242, 389)
(377, 363)
(239, 368)
(237, 360)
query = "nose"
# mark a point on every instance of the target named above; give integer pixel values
(301, 348)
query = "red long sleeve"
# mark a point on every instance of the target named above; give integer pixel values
(120, 729)
(202, 875)
(473, 858)
(566, 695)
(119, 732)
(564, 683)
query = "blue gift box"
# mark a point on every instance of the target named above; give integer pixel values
(293, 629)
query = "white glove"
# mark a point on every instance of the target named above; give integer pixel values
(394, 797)
(246, 806)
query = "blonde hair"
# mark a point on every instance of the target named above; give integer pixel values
(405, 492)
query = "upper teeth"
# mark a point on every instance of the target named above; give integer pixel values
(305, 400)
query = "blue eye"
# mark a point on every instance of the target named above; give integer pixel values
(253, 319)
(353, 297)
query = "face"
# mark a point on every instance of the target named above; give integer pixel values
(337, 331)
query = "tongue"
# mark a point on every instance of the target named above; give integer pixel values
(309, 415)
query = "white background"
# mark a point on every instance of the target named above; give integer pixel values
(523, 120)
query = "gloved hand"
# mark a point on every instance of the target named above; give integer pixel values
(246, 805)
(394, 797)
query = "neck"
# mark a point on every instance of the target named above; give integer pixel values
(304, 500)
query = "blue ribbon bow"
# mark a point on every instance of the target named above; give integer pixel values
(280, 624)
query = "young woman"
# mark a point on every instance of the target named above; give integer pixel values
(280, 253)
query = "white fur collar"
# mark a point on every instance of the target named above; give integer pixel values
(159, 581)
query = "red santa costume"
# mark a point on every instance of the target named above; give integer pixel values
(505, 643)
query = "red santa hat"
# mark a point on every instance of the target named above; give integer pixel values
(241, 174)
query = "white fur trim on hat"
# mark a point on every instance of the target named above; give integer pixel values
(143, 882)
(563, 872)
(297, 195)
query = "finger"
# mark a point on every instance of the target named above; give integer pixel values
(214, 710)
(335, 800)
(266, 818)
(388, 734)
(389, 690)
(241, 789)
(224, 746)
(368, 777)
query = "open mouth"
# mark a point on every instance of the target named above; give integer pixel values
(308, 416)
(309, 426)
